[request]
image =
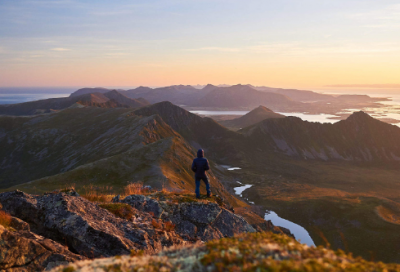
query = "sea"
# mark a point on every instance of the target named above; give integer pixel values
(391, 110)
(15, 95)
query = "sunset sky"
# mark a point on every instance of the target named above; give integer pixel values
(285, 43)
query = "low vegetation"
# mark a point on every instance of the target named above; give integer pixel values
(97, 193)
(5, 219)
(247, 252)
(119, 209)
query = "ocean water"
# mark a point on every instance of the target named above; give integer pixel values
(391, 110)
(20, 95)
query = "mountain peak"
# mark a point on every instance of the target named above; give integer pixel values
(113, 92)
(262, 109)
(359, 116)
(255, 116)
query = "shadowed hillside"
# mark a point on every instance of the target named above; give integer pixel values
(257, 115)
(220, 143)
(46, 145)
(244, 96)
(358, 138)
(109, 99)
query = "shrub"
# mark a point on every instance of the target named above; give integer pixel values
(136, 253)
(68, 269)
(5, 219)
(134, 188)
(97, 194)
(156, 224)
(121, 210)
(169, 226)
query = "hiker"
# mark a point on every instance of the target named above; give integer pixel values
(200, 166)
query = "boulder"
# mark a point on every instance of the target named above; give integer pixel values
(26, 251)
(193, 220)
(230, 224)
(200, 213)
(19, 224)
(116, 199)
(145, 204)
(86, 228)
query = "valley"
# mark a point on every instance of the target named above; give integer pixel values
(338, 181)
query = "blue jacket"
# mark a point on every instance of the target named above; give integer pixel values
(200, 165)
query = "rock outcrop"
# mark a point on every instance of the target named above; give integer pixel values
(193, 220)
(83, 226)
(89, 230)
(22, 250)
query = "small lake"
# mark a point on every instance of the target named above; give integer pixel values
(240, 190)
(298, 231)
(230, 168)
(209, 113)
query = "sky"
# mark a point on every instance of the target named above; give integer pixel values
(287, 43)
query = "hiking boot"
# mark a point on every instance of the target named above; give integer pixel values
(208, 195)
(197, 197)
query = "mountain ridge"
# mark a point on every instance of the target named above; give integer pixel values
(256, 115)
(358, 138)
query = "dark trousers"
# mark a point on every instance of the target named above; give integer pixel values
(198, 186)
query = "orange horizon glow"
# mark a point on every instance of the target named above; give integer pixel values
(161, 43)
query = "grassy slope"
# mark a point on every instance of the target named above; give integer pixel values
(162, 163)
(338, 200)
(247, 252)
(114, 147)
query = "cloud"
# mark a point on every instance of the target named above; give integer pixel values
(298, 48)
(111, 13)
(218, 49)
(377, 86)
(50, 2)
(60, 49)
(304, 48)
(384, 18)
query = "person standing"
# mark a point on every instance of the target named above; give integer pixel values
(200, 166)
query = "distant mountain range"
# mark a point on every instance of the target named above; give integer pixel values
(237, 97)
(358, 138)
(103, 99)
(244, 97)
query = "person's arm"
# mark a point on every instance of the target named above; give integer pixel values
(194, 168)
(207, 166)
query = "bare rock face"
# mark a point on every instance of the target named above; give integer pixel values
(86, 228)
(50, 230)
(22, 250)
(193, 220)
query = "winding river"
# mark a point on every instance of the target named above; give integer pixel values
(298, 231)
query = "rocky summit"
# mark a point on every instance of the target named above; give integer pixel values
(62, 227)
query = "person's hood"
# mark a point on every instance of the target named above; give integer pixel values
(200, 153)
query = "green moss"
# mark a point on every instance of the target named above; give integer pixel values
(275, 252)
(136, 253)
(68, 269)
(113, 268)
